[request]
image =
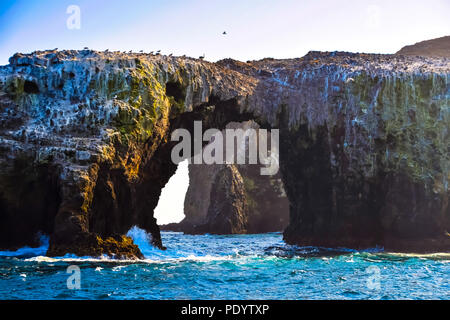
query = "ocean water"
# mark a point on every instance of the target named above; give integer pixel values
(226, 267)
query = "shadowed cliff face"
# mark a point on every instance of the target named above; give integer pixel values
(265, 199)
(228, 210)
(363, 145)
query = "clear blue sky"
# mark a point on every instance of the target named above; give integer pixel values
(256, 28)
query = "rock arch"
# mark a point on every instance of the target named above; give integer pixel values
(363, 142)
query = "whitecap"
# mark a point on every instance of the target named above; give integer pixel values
(117, 268)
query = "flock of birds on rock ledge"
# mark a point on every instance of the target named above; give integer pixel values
(158, 52)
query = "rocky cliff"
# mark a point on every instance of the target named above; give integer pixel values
(85, 150)
(228, 209)
(439, 47)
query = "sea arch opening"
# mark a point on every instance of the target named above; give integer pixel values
(265, 195)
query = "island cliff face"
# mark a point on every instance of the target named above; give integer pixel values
(85, 144)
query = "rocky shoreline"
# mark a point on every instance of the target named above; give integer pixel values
(85, 144)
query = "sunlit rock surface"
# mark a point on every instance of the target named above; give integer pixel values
(85, 144)
(439, 47)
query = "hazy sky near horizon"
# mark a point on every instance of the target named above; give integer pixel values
(255, 29)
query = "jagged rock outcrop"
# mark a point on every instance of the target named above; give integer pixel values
(228, 210)
(439, 47)
(85, 149)
(268, 206)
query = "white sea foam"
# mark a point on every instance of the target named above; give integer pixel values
(73, 258)
(204, 249)
(206, 258)
(436, 255)
(155, 255)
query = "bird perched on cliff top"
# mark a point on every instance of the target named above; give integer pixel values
(224, 32)
(349, 80)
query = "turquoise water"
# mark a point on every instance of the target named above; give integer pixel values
(227, 267)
